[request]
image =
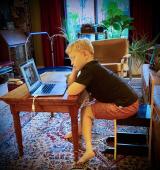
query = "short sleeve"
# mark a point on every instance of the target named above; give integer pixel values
(85, 77)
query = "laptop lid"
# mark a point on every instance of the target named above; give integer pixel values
(30, 74)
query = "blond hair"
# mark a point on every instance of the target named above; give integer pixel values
(79, 45)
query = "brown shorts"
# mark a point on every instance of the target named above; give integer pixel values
(111, 111)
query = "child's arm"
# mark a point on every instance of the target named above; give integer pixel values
(74, 88)
(72, 77)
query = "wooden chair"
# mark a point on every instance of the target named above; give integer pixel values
(135, 143)
(113, 54)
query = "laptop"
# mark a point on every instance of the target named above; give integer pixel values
(34, 84)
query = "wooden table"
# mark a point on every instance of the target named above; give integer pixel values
(20, 100)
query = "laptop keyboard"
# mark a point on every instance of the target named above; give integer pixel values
(47, 88)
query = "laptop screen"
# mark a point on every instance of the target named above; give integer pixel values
(30, 74)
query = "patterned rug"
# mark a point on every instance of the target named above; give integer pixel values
(6, 119)
(46, 149)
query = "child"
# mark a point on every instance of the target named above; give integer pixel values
(114, 99)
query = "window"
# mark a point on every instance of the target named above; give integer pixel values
(93, 12)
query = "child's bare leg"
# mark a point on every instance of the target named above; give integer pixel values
(86, 131)
(69, 135)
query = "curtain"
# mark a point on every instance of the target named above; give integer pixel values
(52, 13)
(142, 12)
(156, 19)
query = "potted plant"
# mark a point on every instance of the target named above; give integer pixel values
(138, 50)
(155, 58)
(116, 20)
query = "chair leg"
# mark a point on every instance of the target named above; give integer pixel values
(115, 139)
(52, 114)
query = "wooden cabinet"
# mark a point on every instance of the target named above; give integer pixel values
(156, 125)
(145, 81)
(156, 112)
(12, 48)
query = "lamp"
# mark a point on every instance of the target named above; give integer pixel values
(51, 38)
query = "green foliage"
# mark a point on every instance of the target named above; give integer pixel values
(139, 47)
(155, 59)
(70, 26)
(115, 19)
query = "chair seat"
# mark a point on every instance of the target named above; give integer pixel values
(141, 118)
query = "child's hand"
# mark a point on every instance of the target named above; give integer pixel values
(67, 77)
(72, 77)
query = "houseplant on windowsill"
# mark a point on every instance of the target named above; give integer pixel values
(116, 21)
(138, 50)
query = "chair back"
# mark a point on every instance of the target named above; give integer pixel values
(110, 50)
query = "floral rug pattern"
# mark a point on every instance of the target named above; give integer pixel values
(46, 149)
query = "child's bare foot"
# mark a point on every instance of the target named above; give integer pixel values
(68, 136)
(86, 156)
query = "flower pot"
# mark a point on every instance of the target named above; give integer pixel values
(100, 28)
(135, 67)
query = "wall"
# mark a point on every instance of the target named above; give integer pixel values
(36, 27)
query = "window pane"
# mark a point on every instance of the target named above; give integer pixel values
(103, 6)
(82, 12)
(79, 12)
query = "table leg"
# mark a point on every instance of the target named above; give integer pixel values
(74, 124)
(17, 127)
